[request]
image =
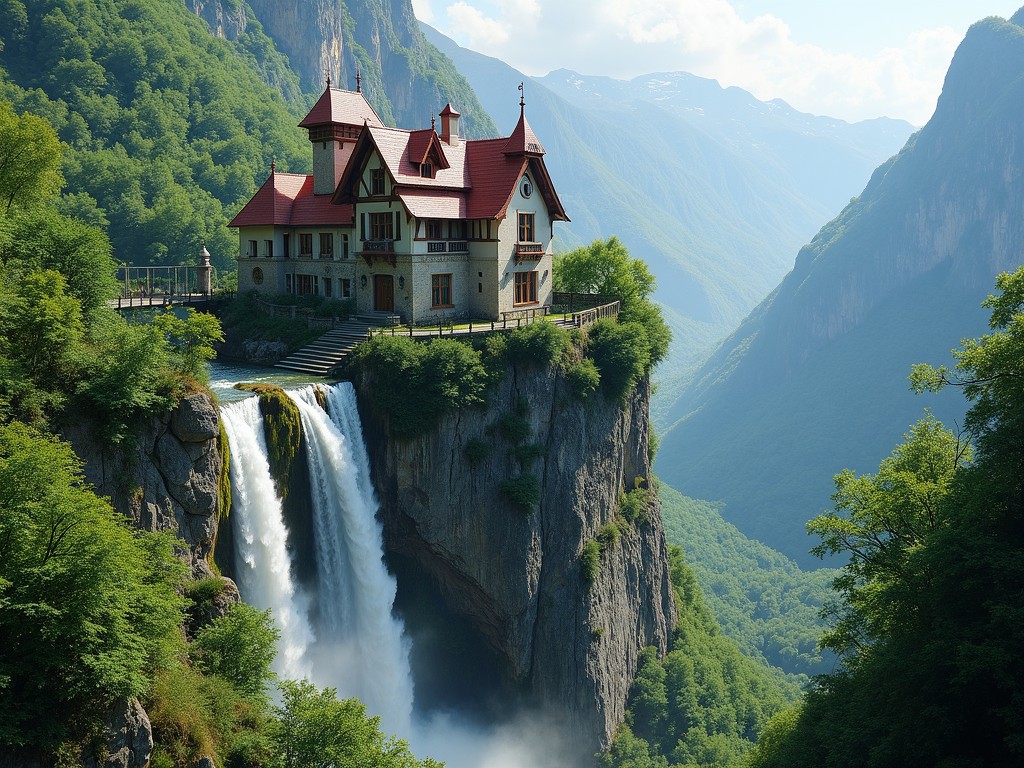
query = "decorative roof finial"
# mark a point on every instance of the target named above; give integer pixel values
(359, 82)
(328, 81)
(522, 97)
(433, 122)
(273, 165)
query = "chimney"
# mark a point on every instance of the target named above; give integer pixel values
(450, 126)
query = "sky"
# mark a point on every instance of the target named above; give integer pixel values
(851, 59)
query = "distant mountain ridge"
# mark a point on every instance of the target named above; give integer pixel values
(814, 379)
(717, 225)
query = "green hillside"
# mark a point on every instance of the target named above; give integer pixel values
(761, 599)
(170, 129)
(815, 379)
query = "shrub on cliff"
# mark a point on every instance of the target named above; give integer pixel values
(621, 353)
(415, 383)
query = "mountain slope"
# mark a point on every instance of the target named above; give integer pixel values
(815, 378)
(403, 76)
(717, 226)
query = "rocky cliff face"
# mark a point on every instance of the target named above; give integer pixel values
(515, 574)
(404, 77)
(167, 479)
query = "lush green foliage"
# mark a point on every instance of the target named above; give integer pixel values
(763, 600)
(536, 344)
(604, 267)
(590, 561)
(931, 614)
(634, 503)
(704, 703)
(523, 491)
(318, 731)
(190, 340)
(607, 268)
(88, 608)
(583, 378)
(30, 159)
(476, 450)
(415, 383)
(880, 521)
(621, 353)
(169, 129)
(239, 647)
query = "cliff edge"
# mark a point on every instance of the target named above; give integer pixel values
(515, 570)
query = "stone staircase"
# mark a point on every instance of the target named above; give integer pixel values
(330, 349)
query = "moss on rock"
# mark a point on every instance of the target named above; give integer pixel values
(282, 427)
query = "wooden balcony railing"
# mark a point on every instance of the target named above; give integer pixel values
(528, 252)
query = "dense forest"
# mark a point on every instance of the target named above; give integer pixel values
(928, 618)
(168, 129)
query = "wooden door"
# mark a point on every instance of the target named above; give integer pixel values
(384, 293)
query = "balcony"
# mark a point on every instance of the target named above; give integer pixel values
(378, 249)
(528, 252)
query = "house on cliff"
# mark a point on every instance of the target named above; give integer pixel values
(417, 223)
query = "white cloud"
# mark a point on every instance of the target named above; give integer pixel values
(625, 38)
(480, 30)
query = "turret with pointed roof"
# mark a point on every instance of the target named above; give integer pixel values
(334, 125)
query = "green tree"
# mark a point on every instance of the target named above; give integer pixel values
(191, 340)
(42, 327)
(880, 521)
(316, 730)
(621, 353)
(30, 157)
(88, 608)
(45, 239)
(604, 267)
(942, 680)
(239, 647)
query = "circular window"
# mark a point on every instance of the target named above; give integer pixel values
(257, 276)
(526, 188)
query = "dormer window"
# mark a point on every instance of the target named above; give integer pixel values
(377, 181)
(426, 170)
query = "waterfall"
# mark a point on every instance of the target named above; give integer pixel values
(264, 566)
(362, 649)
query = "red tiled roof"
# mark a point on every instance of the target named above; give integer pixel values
(523, 140)
(479, 182)
(287, 199)
(495, 177)
(434, 204)
(393, 146)
(420, 143)
(338, 107)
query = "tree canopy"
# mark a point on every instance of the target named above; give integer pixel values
(604, 267)
(931, 616)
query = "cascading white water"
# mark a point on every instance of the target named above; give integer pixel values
(263, 569)
(362, 649)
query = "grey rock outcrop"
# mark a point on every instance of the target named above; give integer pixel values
(166, 479)
(129, 734)
(226, 20)
(516, 575)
